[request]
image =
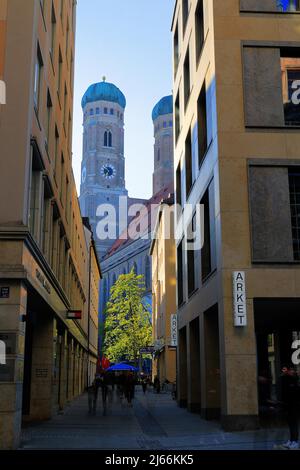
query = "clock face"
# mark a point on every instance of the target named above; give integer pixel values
(108, 171)
(83, 175)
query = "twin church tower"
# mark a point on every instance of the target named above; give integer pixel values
(103, 162)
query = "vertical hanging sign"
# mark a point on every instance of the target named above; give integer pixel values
(174, 330)
(239, 299)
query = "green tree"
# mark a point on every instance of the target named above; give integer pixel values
(127, 323)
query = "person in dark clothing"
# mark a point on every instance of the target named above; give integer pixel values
(101, 382)
(156, 384)
(144, 384)
(92, 397)
(290, 395)
(129, 388)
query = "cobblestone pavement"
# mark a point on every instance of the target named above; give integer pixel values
(154, 422)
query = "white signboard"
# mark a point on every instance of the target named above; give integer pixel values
(174, 330)
(239, 299)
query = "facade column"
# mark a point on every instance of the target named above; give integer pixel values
(63, 370)
(12, 335)
(194, 380)
(41, 398)
(182, 368)
(238, 370)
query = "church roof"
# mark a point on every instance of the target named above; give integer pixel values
(143, 221)
(103, 91)
(164, 106)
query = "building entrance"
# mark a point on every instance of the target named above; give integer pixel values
(277, 326)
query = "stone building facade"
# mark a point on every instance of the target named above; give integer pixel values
(46, 257)
(164, 326)
(236, 113)
(162, 117)
(103, 162)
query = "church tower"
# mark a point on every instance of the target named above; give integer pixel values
(162, 116)
(103, 164)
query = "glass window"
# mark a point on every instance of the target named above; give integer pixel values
(97, 110)
(288, 5)
(91, 112)
(290, 70)
(294, 184)
(105, 110)
(111, 111)
(37, 77)
(165, 124)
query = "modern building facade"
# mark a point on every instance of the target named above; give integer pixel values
(103, 162)
(45, 263)
(164, 325)
(162, 117)
(236, 113)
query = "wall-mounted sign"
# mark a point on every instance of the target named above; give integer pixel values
(4, 292)
(43, 281)
(174, 330)
(147, 350)
(239, 299)
(74, 315)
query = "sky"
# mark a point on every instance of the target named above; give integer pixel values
(128, 42)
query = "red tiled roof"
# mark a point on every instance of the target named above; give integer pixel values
(142, 221)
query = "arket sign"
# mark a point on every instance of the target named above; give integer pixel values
(239, 299)
(174, 330)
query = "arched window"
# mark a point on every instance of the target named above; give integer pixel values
(147, 272)
(107, 139)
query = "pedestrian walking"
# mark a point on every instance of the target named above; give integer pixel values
(92, 398)
(290, 397)
(129, 388)
(156, 384)
(144, 384)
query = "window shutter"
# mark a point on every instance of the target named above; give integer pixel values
(263, 87)
(270, 214)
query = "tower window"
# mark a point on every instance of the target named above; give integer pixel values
(97, 110)
(91, 112)
(158, 155)
(165, 124)
(111, 111)
(107, 139)
(105, 110)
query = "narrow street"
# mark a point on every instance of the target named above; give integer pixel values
(153, 423)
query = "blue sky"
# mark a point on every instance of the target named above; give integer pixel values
(128, 41)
